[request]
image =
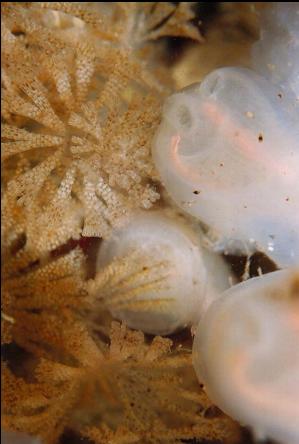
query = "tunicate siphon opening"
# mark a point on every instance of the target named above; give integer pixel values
(184, 117)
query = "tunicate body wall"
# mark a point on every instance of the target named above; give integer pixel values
(227, 151)
(160, 277)
(246, 354)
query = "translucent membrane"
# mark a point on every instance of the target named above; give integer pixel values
(160, 279)
(228, 153)
(246, 354)
(276, 54)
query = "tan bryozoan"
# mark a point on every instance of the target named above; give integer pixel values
(78, 122)
(66, 374)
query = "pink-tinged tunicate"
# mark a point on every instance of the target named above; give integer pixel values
(246, 353)
(228, 153)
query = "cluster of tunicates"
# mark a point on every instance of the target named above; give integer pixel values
(227, 152)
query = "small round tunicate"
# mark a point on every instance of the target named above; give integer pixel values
(160, 279)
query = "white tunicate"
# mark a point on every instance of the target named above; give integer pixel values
(228, 153)
(276, 54)
(246, 353)
(160, 279)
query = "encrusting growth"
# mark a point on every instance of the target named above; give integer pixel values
(69, 378)
(80, 106)
(118, 395)
(67, 106)
(71, 375)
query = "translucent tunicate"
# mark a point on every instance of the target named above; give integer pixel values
(276, 54)
(228, 153)
(159, 278)
(246, 354)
